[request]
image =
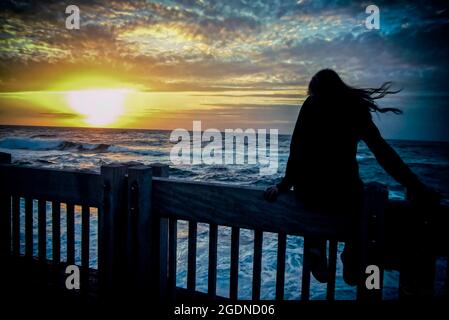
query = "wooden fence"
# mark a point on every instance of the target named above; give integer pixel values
(138, 209)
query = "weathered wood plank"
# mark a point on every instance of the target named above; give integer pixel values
(42, 229)
(5, 224)
(16, 225)
(212, 272)
(29, 228)
(56, 231)
(234, 276)
(446, 284)
(172, 246)
(113, 212)
(191, 261)
(372, 237)
(5, 210)
(163, 259)
(160, 170)
(244, 207)
(160, 234)
(280, 268)
(145, 234)
(257, 264)
(330, 293)
(241, 207)
(70, 224)
(55, 185)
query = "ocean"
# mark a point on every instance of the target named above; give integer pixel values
(88, 149)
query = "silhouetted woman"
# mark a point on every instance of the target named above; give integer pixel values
(322, 166)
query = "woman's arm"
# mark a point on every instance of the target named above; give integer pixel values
(286, 183)
(292, 163)
(388, 158)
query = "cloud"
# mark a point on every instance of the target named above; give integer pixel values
(186, 44)
(60, 115)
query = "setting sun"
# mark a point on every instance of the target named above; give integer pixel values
(100, 107)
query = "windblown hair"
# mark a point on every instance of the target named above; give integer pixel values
(328, 84)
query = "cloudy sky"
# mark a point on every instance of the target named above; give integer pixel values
(233, 63)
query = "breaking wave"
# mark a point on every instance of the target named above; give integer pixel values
(62, 145)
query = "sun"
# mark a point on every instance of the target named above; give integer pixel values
(100, 107)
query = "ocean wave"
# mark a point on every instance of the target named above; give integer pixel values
(62, 145)
(29, 144)
(137, 151)
(50, 144)
(43, 136)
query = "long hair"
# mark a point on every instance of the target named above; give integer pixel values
(328, 84)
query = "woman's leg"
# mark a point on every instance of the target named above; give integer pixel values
(350, 259)
(350, 256)
(318, 259)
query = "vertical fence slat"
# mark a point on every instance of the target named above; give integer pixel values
(42, 229)
(16, 225)
(5, 211)
(330, 293)
(56, 231)
(371, 237)
(191, 263)
(111, 246)
(172, 243)
(28, 227)
(163, 258)
(234, 277)
(161, 232)
(257, 264)
(70, 220)
(280, 272)
(5, 222)
(446, 283)
(212, 272)
(141, 258)
(305, 283)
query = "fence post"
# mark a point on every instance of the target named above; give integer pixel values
(110, 229)
(139, 222)
(147, 237)
(161, 239)
(5, 211)
(372, 238)
(418, 259)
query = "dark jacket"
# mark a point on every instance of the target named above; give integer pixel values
(322, 166)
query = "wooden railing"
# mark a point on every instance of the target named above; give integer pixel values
(138, 209)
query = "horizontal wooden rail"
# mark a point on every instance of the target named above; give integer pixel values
(56, 185)
(245, 207)
(242, 207)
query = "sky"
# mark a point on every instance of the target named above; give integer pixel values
(229, 64)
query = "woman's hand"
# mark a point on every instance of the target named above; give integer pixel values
(424, 196)
(426, 199)
(271, 194)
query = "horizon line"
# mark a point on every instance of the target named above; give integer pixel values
(146, 129)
